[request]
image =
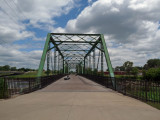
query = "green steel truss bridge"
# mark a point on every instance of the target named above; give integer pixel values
(67, 51)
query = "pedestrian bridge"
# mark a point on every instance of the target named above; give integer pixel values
(88, 95)
(76, 83)
(76, 99)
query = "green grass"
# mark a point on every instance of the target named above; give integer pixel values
(152, 93)
(28, 74)
(155, 105)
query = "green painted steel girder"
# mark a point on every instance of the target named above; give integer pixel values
(56, 47)
(75, 34)
(76, 41)
(92, 47)
(108, 61)
(74, 50)
(41, 65)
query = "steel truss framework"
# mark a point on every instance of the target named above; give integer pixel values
(74, 51)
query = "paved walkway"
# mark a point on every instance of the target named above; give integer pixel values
(76, 99)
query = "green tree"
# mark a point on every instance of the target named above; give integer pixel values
(152, 63)
(152, 74)
(95, 71)
(128, 66)
(6, 68)
(119, 68)
(1, 68)
(135, 71)
(13, 68)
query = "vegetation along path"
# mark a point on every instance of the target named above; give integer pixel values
(76, 99)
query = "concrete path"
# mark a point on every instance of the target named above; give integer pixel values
(76, 99)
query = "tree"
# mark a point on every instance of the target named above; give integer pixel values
(152, 63)
(6, 68)
(128, 66)
(119, 68)
(139, 67)
(1, 68)
(13, 68)
(95, 71)
(152, 74)
(135, 71)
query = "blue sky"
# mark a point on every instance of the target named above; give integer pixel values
(130, 27)
(60, 21)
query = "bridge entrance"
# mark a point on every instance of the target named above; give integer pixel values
(80, 53)
(74, 52)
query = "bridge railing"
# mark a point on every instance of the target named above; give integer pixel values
(105, 81)
(15, 86)
(140, 89)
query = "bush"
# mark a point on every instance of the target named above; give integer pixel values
(3, 90)
(135, 71)
(152, 74)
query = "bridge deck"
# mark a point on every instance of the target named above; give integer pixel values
(75, 84)
(84, 100)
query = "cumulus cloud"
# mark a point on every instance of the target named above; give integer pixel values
(41, 13)
(15, 18)
(11, 55)
(131, 26)
(17, 15)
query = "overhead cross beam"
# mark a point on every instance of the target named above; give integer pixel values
(92, 47)
(56, 46)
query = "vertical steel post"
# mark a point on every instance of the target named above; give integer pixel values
(63, 66)
(41, 65)
(55, 61)
(48, 59)
(101, 59)
(84, 66)
(90, 61)
(94, 60)
(68, 69)
(58, 62)
(78, 68)
(87, 65)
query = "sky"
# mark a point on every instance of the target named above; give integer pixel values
(131, 28)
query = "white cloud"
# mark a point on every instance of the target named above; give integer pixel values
(16, 16)
(11, 55)
(41, 13)
(132, 27)
(38, 13)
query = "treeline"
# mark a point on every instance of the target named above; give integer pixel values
(9, 68)
(150, 71)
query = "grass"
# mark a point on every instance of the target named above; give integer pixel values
(153, 94)
(28, 74)
(142, 94)
(155, 105)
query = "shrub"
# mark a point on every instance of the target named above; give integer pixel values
(135, 71)
(152, 74)
(3, 90)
